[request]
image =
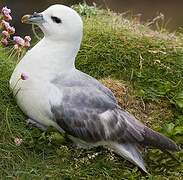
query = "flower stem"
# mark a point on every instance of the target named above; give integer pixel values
(16, 84)
(17, 92)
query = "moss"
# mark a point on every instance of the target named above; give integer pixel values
(141, 66)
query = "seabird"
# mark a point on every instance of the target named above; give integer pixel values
(59, 95)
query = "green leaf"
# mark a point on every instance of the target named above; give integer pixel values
(168, 128)
(56, 138)
(179, 100)
(178, 130)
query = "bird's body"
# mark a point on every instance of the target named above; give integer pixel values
(57, 94)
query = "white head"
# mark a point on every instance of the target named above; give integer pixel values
(58, 22)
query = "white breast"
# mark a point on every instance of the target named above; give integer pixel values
(36, 94)
(42, 63)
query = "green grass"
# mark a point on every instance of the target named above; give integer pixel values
(144, 69)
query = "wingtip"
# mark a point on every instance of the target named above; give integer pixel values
(174, 147)
(143, 169)
(155, 139)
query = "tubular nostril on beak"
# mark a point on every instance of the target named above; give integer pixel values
(35, 15)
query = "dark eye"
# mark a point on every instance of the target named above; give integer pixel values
(56, 19)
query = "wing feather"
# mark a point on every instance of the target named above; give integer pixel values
(89, 112)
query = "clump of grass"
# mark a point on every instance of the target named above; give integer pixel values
(153, 114)
(141, 66)
(84, 10)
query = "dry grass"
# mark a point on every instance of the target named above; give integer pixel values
(153, 114)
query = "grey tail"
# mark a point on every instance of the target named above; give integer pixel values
(129, 152)
(147, 137)
(155, 139)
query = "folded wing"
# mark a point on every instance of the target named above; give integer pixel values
(89, 114)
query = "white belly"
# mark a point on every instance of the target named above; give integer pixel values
(34, 96)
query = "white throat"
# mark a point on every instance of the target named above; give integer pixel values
(59, 56)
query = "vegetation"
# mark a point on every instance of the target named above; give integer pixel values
(143, 67)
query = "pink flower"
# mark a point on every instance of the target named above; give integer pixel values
(11, 30)
(8, 17)
(5, 24)
(6, 34)
(4, 41)
(27, 38)
(5, 11)
(27, 44)
(18, 40)
(27, 41)
(24, 76)
(16, 46)
(18, 141)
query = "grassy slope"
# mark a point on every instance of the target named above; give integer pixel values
(148, 65)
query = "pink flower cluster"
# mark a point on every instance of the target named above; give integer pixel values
(5, 26)
(8, 30)
(20, 42)
(6, 13)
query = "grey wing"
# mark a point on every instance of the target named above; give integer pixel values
(89, 114)
(78, 113)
